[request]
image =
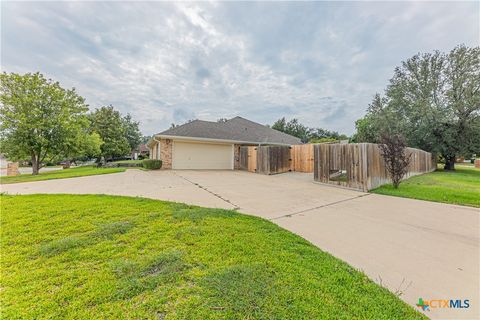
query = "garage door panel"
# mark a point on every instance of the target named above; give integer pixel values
(188, 155)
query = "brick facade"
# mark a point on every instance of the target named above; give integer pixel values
(166, 153)
(12, 169)
(236, 156)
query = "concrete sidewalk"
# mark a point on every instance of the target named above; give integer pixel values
(418, 249)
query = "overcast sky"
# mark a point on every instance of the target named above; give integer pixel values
(170, 62)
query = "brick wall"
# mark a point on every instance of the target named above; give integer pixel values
(236, 156)
(12, 169)
(166, 153)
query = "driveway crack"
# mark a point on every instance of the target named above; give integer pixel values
(319, 207)
(235, 207)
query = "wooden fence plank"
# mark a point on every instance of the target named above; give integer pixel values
(361, 166)
(252, 159)
(302, 158)
(273, 159)
(243, 158)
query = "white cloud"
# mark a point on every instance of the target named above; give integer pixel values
(170, 62)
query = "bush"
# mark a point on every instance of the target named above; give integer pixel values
(123, 164)
(151, 164)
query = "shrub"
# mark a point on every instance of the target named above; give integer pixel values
(151, 164)
(394, 153)
(123, 164)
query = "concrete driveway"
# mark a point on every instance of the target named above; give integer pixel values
(417, 249)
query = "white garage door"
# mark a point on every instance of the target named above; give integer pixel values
(188, 155)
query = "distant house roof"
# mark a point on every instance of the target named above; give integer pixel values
(236, 129)
(141, 148)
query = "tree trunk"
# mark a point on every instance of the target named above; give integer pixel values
(35, 165)
(449, 163)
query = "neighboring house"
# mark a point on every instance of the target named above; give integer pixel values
(212, 145)
(141, 150)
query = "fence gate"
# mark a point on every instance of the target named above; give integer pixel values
(302, 158)
(273, 159)
(248, 159)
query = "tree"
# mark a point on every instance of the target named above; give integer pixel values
(110, 126)
(434, 101)
(145, 139)
(86, 148)
(280, 125)
(394, 153)
(323, 140)
(132, 132)
(39, 120)
(292, 127)
(306, 134)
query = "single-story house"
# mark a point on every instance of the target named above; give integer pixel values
(212, 145)
(141, 150)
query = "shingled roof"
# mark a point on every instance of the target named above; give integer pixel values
(236, 129)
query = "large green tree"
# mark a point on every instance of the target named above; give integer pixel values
(110, 126)
(41, 121)
(433, 100)
(305, 133)
(132, 131)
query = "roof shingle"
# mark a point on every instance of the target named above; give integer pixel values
(236, 129)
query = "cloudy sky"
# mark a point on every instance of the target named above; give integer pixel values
(167, 62)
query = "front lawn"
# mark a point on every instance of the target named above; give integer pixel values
(99, 257)
(60, 174)
(461, 186)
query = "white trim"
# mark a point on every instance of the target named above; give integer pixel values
(161, 136)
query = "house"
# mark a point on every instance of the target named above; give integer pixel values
(212, 145)
(141, 151)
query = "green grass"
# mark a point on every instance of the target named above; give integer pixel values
(461, 187)
(60, 174)
(99, 257)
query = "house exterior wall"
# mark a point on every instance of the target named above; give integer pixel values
(166, 153)
(154, 152)
(236, 156)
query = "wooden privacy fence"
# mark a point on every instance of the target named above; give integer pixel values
(302, 157)
(265, 159)
(276, 159)
(248, 159)
(273, 159)
(361, 165)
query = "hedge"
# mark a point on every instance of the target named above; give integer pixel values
(151, 164)
(122, 164)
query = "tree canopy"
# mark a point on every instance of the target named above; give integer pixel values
(112, 129)
(433, 100)
(41, 121)
(132, 131)
(306, 134)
